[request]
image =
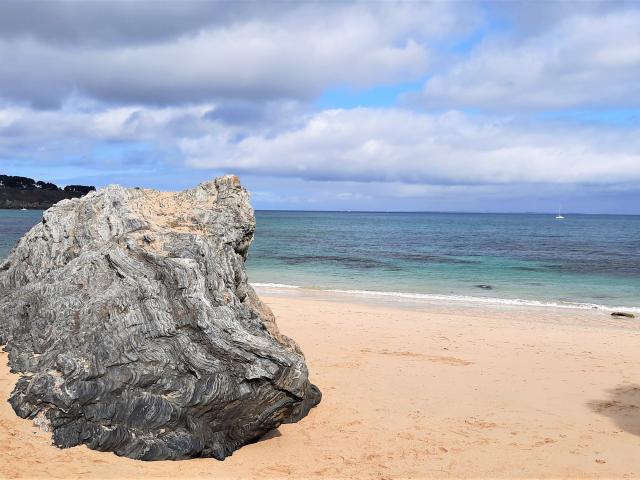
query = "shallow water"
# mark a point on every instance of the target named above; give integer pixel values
(581, 261)
(584, 259)
(14, 224)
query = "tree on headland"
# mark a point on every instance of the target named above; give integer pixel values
(24, 192)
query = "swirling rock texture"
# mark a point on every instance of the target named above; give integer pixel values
(129, 317)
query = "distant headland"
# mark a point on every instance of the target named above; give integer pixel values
(23, 192)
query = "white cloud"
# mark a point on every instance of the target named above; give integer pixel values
(589, 59)
(395, 145)
(295, 54)
(362, 145)
(207, 89)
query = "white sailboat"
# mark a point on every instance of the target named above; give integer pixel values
(559, 215)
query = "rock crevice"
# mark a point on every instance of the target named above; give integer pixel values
(129, 317)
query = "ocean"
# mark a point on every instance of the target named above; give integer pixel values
(583, 261)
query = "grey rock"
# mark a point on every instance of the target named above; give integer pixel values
(128, 315)
(623, 314)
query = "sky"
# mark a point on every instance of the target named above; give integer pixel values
(387, 106)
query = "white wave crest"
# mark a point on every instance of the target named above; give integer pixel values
(274, 285)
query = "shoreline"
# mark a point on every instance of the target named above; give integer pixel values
(442, 302)
(415, 392)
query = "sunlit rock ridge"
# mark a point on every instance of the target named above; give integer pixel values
(128, 315)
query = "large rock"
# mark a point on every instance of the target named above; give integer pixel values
(128, 314)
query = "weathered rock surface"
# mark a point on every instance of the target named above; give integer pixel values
(128, 314)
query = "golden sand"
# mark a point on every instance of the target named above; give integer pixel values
(416, 392)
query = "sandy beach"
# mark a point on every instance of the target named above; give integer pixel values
(416, 391)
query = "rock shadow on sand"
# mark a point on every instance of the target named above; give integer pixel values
(623, 407)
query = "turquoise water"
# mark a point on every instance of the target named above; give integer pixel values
(583, 260)
(14, 224)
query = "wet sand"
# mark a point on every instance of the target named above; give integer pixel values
(416, 391)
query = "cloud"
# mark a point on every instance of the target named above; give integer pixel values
(588, 58)
(394, 145)
(168, 93)
(268, 53)
(360, 145)
(126, 22)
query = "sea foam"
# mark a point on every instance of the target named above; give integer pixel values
(456, 298)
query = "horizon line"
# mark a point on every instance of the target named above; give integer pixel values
(441, 212)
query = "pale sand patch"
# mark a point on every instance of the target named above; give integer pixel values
(416, 393)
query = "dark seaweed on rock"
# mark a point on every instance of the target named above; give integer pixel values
(128, 315)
